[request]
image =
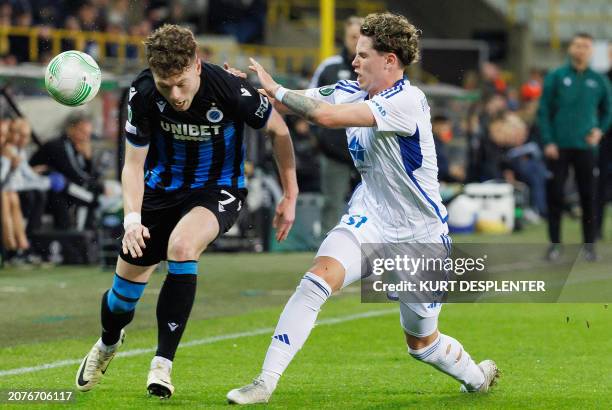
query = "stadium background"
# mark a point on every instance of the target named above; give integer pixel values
(472, 52)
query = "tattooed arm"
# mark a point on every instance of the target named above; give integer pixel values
(328, 115)
(319, 112)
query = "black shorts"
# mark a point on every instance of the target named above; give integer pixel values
(162, 211)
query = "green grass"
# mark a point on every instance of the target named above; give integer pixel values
(551, 355)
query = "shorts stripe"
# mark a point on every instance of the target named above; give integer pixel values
(183, 267)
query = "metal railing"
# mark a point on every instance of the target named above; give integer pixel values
(280, 10)
(77, 38)
(286, 59)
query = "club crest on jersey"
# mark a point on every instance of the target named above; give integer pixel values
(214, 114)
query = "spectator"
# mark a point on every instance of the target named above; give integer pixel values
(71, 155)
(88, 16)
(336, 162)
(31, 194)
(575, 110)
(14, 237)
(492, 80)
(70, 23)
(244, 19)
(521, 161)
(442, 129)
(6, 14)
(19, 44)
(306, 154)
(484, 156)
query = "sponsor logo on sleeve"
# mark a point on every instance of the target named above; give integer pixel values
(326, 91)
(263, 106)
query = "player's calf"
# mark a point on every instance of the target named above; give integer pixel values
(118, 306)
(293, 328)
(173, 309)
(440, 351)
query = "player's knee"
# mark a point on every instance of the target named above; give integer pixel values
(124, 295)
(420, 331)
(182, 249)
(330, 270)
(420, 342)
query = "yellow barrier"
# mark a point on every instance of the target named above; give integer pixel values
(80, 39)
(286, 59)
(280, 10)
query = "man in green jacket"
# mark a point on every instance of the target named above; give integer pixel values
(575, 111)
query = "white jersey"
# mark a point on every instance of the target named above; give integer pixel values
(396, 160)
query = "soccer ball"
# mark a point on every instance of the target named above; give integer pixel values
(73, 78)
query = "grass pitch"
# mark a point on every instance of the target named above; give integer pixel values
(551, 355)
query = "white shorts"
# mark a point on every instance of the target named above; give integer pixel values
(344, 241)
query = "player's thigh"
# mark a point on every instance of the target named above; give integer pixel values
(194, 231)
(132, 272)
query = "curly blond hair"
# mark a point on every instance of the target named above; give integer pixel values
(393, 33)
(170, 50)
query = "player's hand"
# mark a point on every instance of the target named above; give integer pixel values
(234, 71)
(551, 151)
(284, 217)
(265, 79)
(133, 239)
(594, 137)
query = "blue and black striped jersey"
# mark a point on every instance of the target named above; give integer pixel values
(202, 146)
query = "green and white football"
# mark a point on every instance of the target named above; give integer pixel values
(73, 78)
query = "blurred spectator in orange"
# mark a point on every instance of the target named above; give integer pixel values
(492, 81)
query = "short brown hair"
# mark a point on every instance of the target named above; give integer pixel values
(583, 35)
(170, 50)
(393, 33)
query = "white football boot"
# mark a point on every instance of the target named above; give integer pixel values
(158, 382)
(256, 392)
(94, 365)
(491, 374)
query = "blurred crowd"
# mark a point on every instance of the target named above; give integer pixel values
(499, 135)
(499, 139)
(54, 186)
(244, 19)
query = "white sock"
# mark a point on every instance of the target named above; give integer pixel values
(294, 326)
(161, 361)
(447, 355)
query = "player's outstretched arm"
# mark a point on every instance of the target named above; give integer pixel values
(319, 112)
(132, 182)
(282, 147)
